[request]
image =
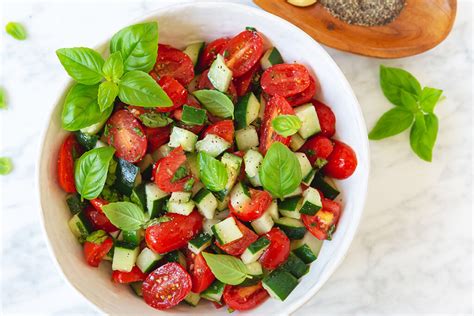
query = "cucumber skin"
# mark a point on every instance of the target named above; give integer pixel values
(85, 140)
(240, 112)
(328, 191)
(126, 174)
(292, 232)
(305, 253)
(280, 282)
(295, 266)
(75, 204)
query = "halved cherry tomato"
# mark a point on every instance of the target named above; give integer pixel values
(173, 234)
(241, 298)
(166, 286)
(322, 224)
(157, 136)
(205, 83)
(276, 106)
(304, 96)
(95, 252)
(174, 63)
(237, 247)
(277, 252)
(259, 203)
(224, 129)
(69, 151)
(201, 275)
(135, 275)
(326, 117)
(210, 52)
(342, 162)
(177, 93)
(97, 217)
(317, 146)
(166, 168)
(242, 52)
(285, 79)
(126, 134)
(243, 83)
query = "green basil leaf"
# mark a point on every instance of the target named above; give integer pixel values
(125, 215)
(423, 136)
(392, 123)
(6, 165)
(113, 67)
(395, 80)
(91, 170)
(409, 101)
(216, 102)
(227, 269)
(108, 91)
(213, 173)
(286, 125)
(280, 172)
(155, 119)
(16, 30)
(3, 98)
(81, 108)
(140, 89)
(429, 98)
(138, 44)
(81, 63)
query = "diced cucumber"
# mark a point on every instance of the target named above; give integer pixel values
(219, 74)
(297, 191)
(328, 190)
(255, 181)
(273, 210)
(194, 51)
(279, 284)
(305, 165)
(192, 298)
(181, 208)
(212, 145)
(80, 226)
(239, 196)
(206, 203)
(176, 256)
(193, 116)
(146, 162)
(255, 250)
(155, 200)
(263, 224)
(309, 120)
(161, 152)
(192, 164)
(138, 196)
(296, 142)
(75, 204)
(184, 138)
(115, 234)
(207, 225)
(271, 57)
(310, 177)
(221, 215)
(222, 205)
(125, 257)
(131, 237)
(295, 266)
(87, 141)
(246, 138)
(289, 207)
(137, 288)
(180, 197)
(147, 260)
(214, 291)
(100, 144)
(126, 174)
(232, 164)
(293, 228)
(307, 248)
(227, 231)
(254, 268)
(94, 128)
(311, 202)
(200, 242)
(246, 110)
(252, 160)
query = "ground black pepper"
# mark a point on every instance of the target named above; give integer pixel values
(365, 12)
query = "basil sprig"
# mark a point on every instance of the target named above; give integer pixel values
(216, 102)
(280, 172)
(212, 172)
(125, 215)
(414, 108)
(227, 269)
(16, 30)
(108, 91)
(286, 125)
(81, 63)
(139, 88)
(113, 68)
(6, 165)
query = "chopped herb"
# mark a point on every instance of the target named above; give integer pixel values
(188, 186)
(155, 119)
(179, 174)
(16, 30)
(251, 28)
(320, 162)
(330, 232)
(310, 152)
(138, 131)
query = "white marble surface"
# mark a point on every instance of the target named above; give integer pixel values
(413, 251)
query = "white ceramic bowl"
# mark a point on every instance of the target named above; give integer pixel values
(180, 25)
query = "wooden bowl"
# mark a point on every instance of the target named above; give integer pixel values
(421, 25)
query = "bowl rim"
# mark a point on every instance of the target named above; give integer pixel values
(361, 125)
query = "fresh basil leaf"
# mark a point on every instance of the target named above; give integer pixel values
(81, 108)
(91, 170)
(409, 101)
(113, 67)
(6, 165)
(140, 89)
(3, 98)
(81, 63)
(97, 237)
(286, 125)
(16, 30)
(125, 215)
(392, 123)
(227, 269)
(138, 45)
(155, 119)
(216, 102)
(108, 91)
(212, 172)
(429, 98)
(423, 136)
(395, 80)
(280, 172)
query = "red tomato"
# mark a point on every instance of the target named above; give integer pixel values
(70, 149)
(166, 168)
(242, 84)
(237, 247)
(94, 253)
(205, 83)
(327, 119)
(259, 203)
(135, 275)
(174, 234)
(177, 93)
(276, 106)
(241, 298)
(304, 96)
(126, 134)
(277, 252)
(174, 63)
(242, 52)
(342, 162)
(157, 136)
(201, 275)
(217, 305)
(210, 52)
(285, 79)
(320, 224)
(317, 146)
(224, 129)
(166, 286)
(97, 217)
